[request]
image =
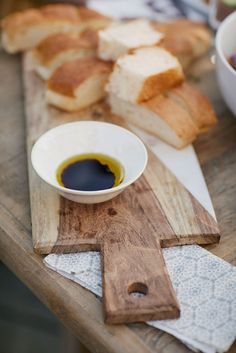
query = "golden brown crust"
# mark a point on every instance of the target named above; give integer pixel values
(19, 22)
(24, 30)
(60, 11)
(55, 44)
(52, 46)
(196, 104)
(184, 38)
(30, 17)
(89, 38)
(174, 115)
(159, 83)
(67, 78)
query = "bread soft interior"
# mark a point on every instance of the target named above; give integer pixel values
(166, 125)
(120, 38)
(144, 73)
(89, 92)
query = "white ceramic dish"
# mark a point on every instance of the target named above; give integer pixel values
(68, 140)
(226, 46)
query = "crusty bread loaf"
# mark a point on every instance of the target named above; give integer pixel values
(120, 38)
(144, 73)
(77, 84)
(93, 19)
(59, 48)
(24, 30)
(186, 39)
(198, 106)
(160, 116)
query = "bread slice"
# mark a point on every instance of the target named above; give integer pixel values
(186, 39)
(24, 30)
(121, 38)
(143, 74)
(77, 84)
(59, 48)
(160, 116)
(197, 105)
(93, 19)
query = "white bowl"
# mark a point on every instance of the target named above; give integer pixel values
(226, 46)
(71, 139)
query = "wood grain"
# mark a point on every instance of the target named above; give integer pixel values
(128, 230)
(121, 229)
(76, 307)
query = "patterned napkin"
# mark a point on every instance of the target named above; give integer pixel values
(205, 286)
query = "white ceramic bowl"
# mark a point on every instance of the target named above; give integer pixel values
(226, 46)
(68, 140)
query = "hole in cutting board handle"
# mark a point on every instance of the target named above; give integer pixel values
(138, 289)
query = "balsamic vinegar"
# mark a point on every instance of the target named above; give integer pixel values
(90, 172)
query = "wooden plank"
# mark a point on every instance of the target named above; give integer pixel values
(157, 208)
(78, 309)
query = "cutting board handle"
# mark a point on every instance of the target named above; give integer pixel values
(135, 281)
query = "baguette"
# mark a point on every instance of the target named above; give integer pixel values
(59, 48)
(77, 84)
(143, 74)
(121, 38)
(24, 30)
(160, 116)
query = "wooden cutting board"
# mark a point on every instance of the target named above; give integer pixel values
(154, 212)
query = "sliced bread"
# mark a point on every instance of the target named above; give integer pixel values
(24, 30)
(186, 39)
(59, 48)
(77, 84)
(160, 116)
(143, 74)
(121, 38)
(198, 106)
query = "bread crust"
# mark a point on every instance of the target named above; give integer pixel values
(19, 21)
(197, 105)
(186, 39)
(144, 73)
(83, 100)
(25, 19)
(68, 77)
(60, 11)
(156, 84)
(24, 30)
(175, 116)
(54, 45)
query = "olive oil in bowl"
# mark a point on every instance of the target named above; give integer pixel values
(90, 172)
(104, 177)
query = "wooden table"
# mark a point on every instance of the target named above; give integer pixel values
(77, 308)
